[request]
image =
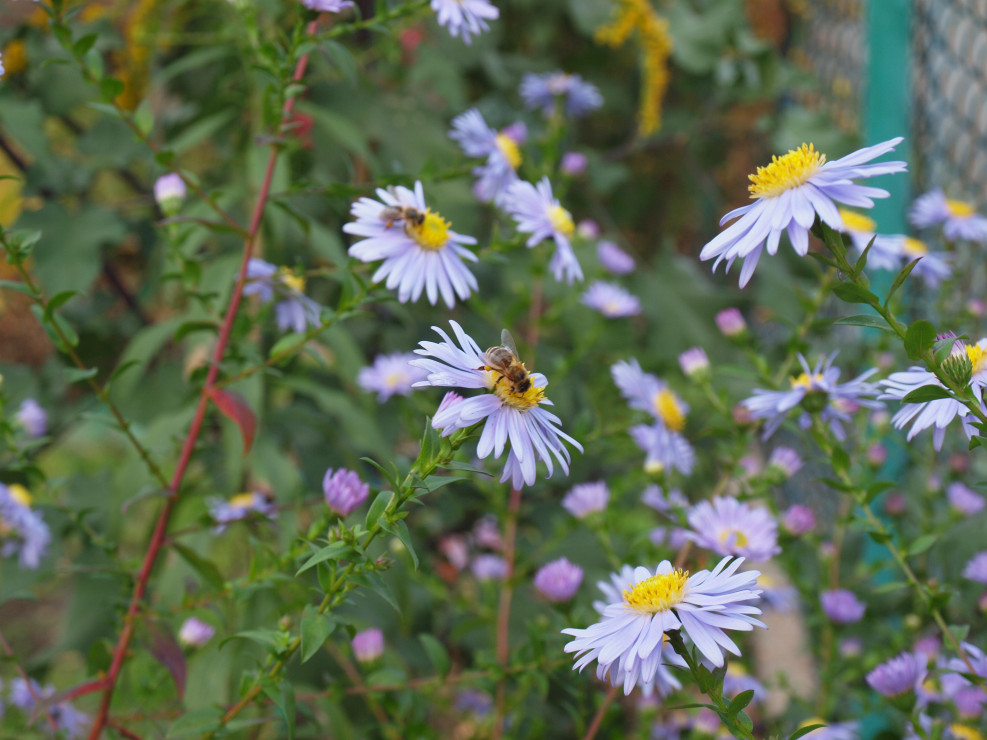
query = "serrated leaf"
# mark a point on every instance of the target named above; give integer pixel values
(332, 551)
(921, 544)
(927, 393)
(868, 320)
(377, 508)
(919, 338)
(315, 629)
(853, 293)
(200, 565)
(437, 653)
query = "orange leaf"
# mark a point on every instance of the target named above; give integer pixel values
(235, 408)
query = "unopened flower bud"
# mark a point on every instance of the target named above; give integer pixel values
(694, 363)
(169, 192)
(731, 323)
(958, 368)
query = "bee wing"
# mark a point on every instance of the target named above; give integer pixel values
(508, 341)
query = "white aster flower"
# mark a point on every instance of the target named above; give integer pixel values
(390, 375)
(465, 18)
(328, 6)
(419, 250)
(510, 412)
(730, 527)
(628, 641)
(789, 193)
(539, 213)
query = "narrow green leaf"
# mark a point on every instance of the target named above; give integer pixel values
(58, 300)
(740, 701)
(377, 508)
(921, 544)
(919, 338)
(437, 653)
(803, 731)
(900, 278)
(289, 343)
(332, 551)
(200, 565)
(927, 393)
(868, 320)
(75, 374)
(315, 629)
(863, 257)
(853, 293)
(110, 88)
(16, 286)
(400, 530)
(195, 723)
(80, 47)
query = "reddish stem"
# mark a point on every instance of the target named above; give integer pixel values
(600, 713)
(188, 447)
(504, 608)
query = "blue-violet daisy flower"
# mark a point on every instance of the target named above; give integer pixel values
(730, 527)
(611, 300)
(842, 606)
(501, 149)
(614, 259)
(465, 18)
(586, 498)
(22, 530)
(558, 580)
(545, 91)
(959, 219)
(240, 507)
(539, 213)
(390, 375)
(294, 310)
(898, 675)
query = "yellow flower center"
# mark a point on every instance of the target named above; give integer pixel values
(915, 247)
(965, 733)
(805, 381)
(506, 392)
(509, 148)
(293, 281)
(15, 57)
(19, 494)
(658, 593)
(739, 538)
(785, 172)
(242, 501)
(669, 408)
(655, 467)
(433, 232)
(959, 208)
(561, 220)
(393, 380)
(853, 221)
(977, 355)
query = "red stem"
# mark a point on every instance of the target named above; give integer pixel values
(600, 713)
(504, 608)
(188, 447)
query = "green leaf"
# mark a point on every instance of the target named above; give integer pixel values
(16, 286)
(190, 327)
(332, 551)
(881, 538)
(58, 300)
(201, 130)
(919, 338)
(467, 467)
(80, 47)
(744, 721)
(922, 544)
(209, 572)
(144, 118)
(75, 374)
(316, 628)
(195, 723)
(437, 653)
(110, 88)
(803, 731)
(853, 293)
(840, 459)
(289, 343)
(740, 701)
(400, 530)
(900, 278)
(927, 393)
(282, 694)
(876, 488)
(274, 640)
(868, 320)
(376, 584)
(377, 508)
(862, 260)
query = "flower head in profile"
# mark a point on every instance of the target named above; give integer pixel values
(573, 163)
(816, 390)
(368, 645)
(628, 641)
(195, 633)
(344, 490)
(240, 507)
(328, 6)
(785, 460)
(959, 219)
(663, 449)
(647, 393)
(731, 323)
(558, 580)
(501, 150)
(788, 194)
(420, 252)
(465, 18)
(655, 497)
(611, 300)
(489, 567)
(933, 267)
(799, 520)
(169, 192)
(730, 527)
(976, 568)
(884, 254)
(614, 259)
(390, 375)
(940, 412)
(694, 363)
(510, 408)
(293, 309)
(22, 530)
(965, 500)
(586, 499)
(32, 416)
(547, 91)
(842, 606)
(898, 675)
(538, 212)
(25, 696)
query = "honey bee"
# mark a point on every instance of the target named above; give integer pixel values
(408, 214)
(504, 360)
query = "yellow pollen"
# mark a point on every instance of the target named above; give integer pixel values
(785, 172)
(658, 593)
(962, 732)
(854, 221)
(739, 538)
(19, 494)
(293, 281)
(655, 467)
(509, 148)
(432, 234)
(978, 357)
(242, 501)
(503, 387)
(393, 380)
(958, 208)
(805, 381)
(670, 410)
(915, 247)
(561, 220)
(15, 57)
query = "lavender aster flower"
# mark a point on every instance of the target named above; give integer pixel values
(489, 567)
(933, 267)
(419, 250)
(729, 527)
(976, 568)
(368, 645)
(544, 91)
(22, 530)
(344, 490)
(328, 6)
(195, 633)
(240, 507)
(898, 675)
(789, 193)
(295, 310)
(959, 219)
(965, 500)
(501, 150)
(842, 606)
(558, 580)
(538, 212)
(614, 259)
(465, 18)
(798, 520)
(33, 418)
(663, 448)
(573, 163)
(786, 460)
(63, 714)
(169, 192)
(675, 538)
(885, 254)
(390, 375)
(509, 411)
(611, 300)
(586, 499)
(654, 496)
(694, 362)
(731, 322)
(646, 392)
(627, 642)
(816, 390)
(2, 70)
